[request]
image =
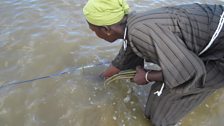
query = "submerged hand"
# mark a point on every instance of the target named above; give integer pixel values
(139, 77)
(110, 71)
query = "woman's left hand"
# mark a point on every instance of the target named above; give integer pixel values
(139, 77)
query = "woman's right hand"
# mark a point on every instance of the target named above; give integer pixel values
(110, 71)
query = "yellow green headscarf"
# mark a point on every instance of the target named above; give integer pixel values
(105, 12)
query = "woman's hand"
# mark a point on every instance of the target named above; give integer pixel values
(140, 76)
(110, 71)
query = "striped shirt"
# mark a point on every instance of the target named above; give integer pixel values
(173, 37)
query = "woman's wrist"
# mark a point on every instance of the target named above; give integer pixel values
(147, 76)
(153, 76)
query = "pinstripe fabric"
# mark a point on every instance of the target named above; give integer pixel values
(172, 37)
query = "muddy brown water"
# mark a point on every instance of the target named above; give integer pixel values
(41, 37)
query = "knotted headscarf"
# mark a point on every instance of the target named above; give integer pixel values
(105, 12)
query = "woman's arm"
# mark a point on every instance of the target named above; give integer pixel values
(126, 59)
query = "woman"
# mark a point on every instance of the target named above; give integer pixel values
(175, 38)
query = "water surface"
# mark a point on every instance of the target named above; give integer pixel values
(41, 37)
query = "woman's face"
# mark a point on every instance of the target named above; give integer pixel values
(104, 33)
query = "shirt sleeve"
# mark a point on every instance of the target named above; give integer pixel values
(182, 69)
(127, 59)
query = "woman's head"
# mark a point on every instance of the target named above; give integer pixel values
(105, 12)
(105, 17)
(110, 33)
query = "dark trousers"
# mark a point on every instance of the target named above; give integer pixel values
(172, 106)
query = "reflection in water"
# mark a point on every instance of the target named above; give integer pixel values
(38, 38)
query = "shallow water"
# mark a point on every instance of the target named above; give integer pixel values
(41, 37)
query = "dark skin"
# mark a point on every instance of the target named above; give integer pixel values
(112, 33)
